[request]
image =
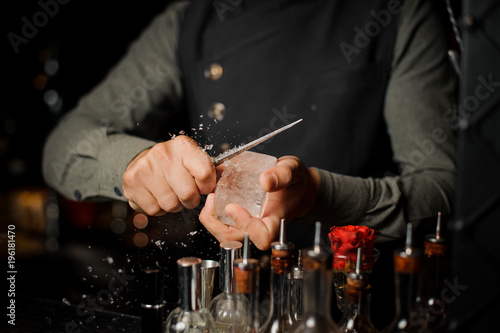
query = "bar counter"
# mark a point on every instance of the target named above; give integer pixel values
(86, 275)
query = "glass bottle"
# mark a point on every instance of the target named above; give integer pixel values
(152, 304)
(189, 317)
(296, 287)
(408, 266)
(435, 273)
(356, 316)
(229, 309)
(246, 275)
(317, 316)
(279, 319)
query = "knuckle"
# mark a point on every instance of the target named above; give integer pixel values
(160, 150)
(163, 154)
(206, 176)
(263, 244)
(183, 139)
(190, 198)
(169, 204)
(149, 208)
(128, 178)
(286, 174)
(206, 173)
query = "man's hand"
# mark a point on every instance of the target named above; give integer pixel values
(292, 191)
(168, 177)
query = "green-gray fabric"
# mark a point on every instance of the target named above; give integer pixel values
(89, 150)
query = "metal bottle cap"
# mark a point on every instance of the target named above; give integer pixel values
(189, 283)
(229, 251)
(437, 237)
(297, 273)
(409, 259)
(282, 244)
(358, 277)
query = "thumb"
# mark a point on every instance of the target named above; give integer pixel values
(286, 173)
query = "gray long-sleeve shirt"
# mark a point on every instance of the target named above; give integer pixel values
(87, 153)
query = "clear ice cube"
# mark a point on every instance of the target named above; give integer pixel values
(239, 184)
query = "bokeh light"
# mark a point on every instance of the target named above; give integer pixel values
(140, 221)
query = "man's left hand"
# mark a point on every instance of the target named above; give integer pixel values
(292, 191)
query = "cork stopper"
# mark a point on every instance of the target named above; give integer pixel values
(281, 252)
(409, 259)
(408, 264)
(315, 258)
(246, 274)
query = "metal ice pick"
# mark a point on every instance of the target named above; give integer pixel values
(238, 150)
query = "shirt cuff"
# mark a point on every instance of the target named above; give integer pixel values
(119, 151)
(341, 200)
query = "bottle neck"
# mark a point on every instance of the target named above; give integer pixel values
(189, 300)
(246, 274)
(316, 292)
(407, 292)
(436, 267)
(189, 278)
(317, 289)
(357, 306)
(278, 296)
(297, 299)
(281, 265)
(229, 251)
(290, 299)
(408, 278)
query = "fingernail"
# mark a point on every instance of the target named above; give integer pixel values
(272, 181)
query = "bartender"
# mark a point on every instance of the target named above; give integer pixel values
(370, 79)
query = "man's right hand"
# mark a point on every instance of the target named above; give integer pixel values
(168, 177)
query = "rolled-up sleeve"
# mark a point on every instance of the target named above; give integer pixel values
(87, 153)
(420, 92)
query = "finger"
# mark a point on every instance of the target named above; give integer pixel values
(288, 171)
(135, 206)
(219, 170)
(143, 201)
(219, 230)
(198, 163)
(156, 197)
(170, 159)
(183, 185)
(260, 232)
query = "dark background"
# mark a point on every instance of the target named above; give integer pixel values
(65, 250)
(476, 224)
(85, 38)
